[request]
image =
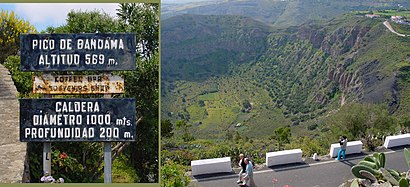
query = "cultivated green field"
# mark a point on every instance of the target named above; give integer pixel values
(387, 13)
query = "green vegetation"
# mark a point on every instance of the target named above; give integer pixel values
(11, 27)
(282, 135)
(166, 128)
(212, 60)
(366, 122)
(297, 79)
(401, 28)
(79, 162)
(303, 88)
(21, 79)
(173, 174)
(386, 13)
(283, 14)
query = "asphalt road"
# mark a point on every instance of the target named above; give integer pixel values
(320, 174)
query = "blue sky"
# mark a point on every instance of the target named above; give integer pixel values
(42, 15)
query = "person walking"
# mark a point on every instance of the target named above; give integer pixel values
(343, 145)
(242, 164)
(249, 173)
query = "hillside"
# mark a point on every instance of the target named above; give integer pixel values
(281, 13)
(234, 74)
(195, 42)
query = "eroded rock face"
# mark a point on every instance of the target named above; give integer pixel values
(12, 151)
(344, 41)
(339, 42)
(365, 83)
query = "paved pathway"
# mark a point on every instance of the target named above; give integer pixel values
(321, 174)
(12, 151)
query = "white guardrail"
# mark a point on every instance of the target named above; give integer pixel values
(352, 147)
(283, 157)
(213, 165)
(398, 140)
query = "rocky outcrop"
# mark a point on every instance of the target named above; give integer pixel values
(366, 83)
(379, 87)
(12, 151)
(315, 36)
(339, 42)
(348, 82)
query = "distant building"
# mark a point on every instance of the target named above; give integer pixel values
(399, 20)
(396, 18)
(372, 15)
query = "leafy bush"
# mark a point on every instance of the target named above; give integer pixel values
(359, 121)
(166, 128)
(173, 175)
(73, 161)
(308, 145)
(11, 27)
(22, 80)
(201, 149)
(183, 157)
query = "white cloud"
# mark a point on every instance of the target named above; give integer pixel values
(54, 14)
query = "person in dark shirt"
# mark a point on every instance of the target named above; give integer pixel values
(343, 146)
(242, 164)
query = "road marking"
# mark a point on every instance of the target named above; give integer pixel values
(288, 168)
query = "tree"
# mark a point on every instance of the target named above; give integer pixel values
(87, 22)
(282, 135)
(166, 128)
(10, 29)
(184, 126)
(405, 124)
(201, 103)
(146, 29)
(246, 104)
(228, 136)
(237, 137)
(363, 121)
(143, 84)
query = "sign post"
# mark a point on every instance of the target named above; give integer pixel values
(107, 162)
(47, 151)
(107, 157)
(47, 157)
(80, 119)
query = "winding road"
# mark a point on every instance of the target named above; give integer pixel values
(318, 174)
(387, 24)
